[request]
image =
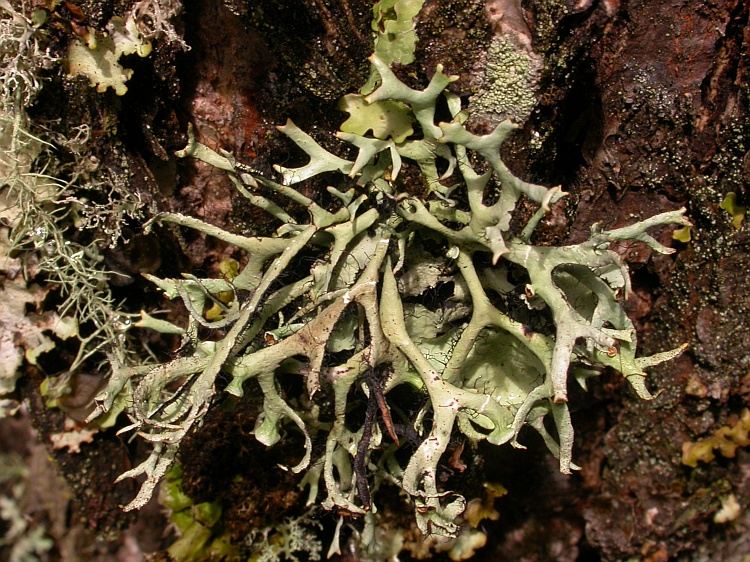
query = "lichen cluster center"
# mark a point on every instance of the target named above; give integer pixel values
(407, 296)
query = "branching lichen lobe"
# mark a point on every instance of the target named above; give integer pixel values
(485, 374)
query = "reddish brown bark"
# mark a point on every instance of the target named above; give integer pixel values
(643, 107)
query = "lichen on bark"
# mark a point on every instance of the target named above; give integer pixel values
(345, 327)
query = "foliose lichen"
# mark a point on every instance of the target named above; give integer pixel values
(98, 57)
(395, 33)
(730, 205)
(727, 439)
(356, 327)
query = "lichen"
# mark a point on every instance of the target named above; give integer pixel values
(395, 36)
(482, 364)
(98, 57)
(726, 440)
(730, 205)
(384, 119)
(40, 217)
(395, 41)
(509, 82)
(293, 538)
(729, 511)
(25, 539)
(156, 20)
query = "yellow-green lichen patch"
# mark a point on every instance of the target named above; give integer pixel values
(395, 34)
(725, 439)
(98, 58)
(385, 118)
(682, 234)
(730, 205)
(393, 22)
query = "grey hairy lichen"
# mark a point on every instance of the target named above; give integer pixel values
(39, 217)
(350, 326)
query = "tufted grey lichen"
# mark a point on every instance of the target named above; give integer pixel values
(359, 323)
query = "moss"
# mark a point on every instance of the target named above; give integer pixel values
(201, 535)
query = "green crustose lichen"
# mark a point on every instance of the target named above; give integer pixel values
(508, 88)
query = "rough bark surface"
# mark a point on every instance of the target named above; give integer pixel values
(641, 107)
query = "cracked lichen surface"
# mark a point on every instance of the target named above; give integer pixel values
(357, 321)
(509, 83)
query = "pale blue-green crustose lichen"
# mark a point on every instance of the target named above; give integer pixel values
(483, 371)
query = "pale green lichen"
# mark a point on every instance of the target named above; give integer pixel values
(289, 540)
(383, 119)
(98, 57)
(482, 370)
(395, 34)
(509, 81)
(395, 42)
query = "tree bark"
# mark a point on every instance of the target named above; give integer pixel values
(639, 107)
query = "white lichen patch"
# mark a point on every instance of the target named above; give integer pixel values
(72, 437)
(23, 335)
(729, 511)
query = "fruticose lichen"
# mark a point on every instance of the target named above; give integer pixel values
(39, 218)
(513, 324)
